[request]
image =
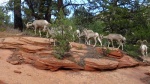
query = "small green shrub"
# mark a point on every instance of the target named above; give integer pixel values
(62, 46)
(80, 47)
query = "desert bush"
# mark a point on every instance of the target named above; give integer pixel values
(63, 38)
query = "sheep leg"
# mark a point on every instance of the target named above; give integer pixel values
(143, 55)
(108, 43)
(95, 41)
(146, 52)
(86, 41)
(89, 42)
(99, 41)
(47, 35)
(35, 31)
(120, 44)
(112, 43)
(40, 32)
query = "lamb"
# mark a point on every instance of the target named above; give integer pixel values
(143, 48)
(38, 24)
(90, 34)
(52, 32)
(118, 37)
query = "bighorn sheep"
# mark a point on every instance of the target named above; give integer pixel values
(52, 32)
(143, 48)
(118, 37)
(90, 34)
(82, 34)
(38, 24)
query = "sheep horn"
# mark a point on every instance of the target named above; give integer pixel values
(139, 41)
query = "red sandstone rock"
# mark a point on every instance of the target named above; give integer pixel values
(115, 54)
(100, 64)
(45, 53)
(55, 64)
(78, 45)
(13, 41)
(126, 61)
(36, 40)
(8, 46)
(99, 50)
(77, 50)
(52, 63)
(1, 82)
(32, 48)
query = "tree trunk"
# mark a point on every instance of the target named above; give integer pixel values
(48, 11)
(60, 5)
(17, 15)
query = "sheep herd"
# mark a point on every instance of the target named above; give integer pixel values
(42, 25)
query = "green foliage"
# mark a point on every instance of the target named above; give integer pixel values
(132, 50)
(82, 16)
(64, 37)
(4, 18)
(97, 26)
(107, 51)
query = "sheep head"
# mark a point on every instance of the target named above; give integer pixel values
(124, 39)
(29, 24)
(44, 29)
(142, 42)
(101, 36)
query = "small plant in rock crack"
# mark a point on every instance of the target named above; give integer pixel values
(80, 47)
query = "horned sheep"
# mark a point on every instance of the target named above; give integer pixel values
(118, 37)
(38, 24)
(90, 34)
(143, 48)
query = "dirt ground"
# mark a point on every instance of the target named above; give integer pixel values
(27, 74)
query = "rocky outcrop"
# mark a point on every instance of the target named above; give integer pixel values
(31, 48)
(39, 53)
(115, 53)
(36, 40)
(127, 61)
(100, 64)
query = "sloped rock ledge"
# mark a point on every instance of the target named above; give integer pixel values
(38, 52)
